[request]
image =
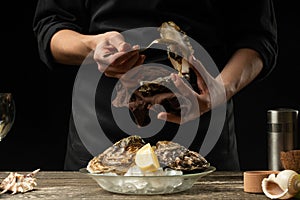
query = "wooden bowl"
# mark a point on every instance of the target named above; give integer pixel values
(291, 160)
(253, 180)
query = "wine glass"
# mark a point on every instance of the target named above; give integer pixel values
(7, 113)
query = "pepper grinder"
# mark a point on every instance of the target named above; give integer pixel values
(282, 134)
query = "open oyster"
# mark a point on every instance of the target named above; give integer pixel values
(180, 49)
(150, 90)
(155, 87)
(117, 158)
(120, 157)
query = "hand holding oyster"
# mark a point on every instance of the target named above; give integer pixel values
(120, 157)
(141, 88)
(184, 97)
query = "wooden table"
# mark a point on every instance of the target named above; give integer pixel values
(74, 185)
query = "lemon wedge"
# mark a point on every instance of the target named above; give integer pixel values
(146, 159)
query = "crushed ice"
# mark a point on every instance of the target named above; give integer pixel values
(135, 183)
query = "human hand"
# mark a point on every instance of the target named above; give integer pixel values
(114, 56)
(212, 94)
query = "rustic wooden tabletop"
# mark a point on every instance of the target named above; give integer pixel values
(75, 185)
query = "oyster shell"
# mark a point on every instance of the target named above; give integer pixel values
(151, 90)
(120, 157)
(179, 50)
(178, 157)
(117, 158)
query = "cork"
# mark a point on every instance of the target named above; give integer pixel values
(291, 160)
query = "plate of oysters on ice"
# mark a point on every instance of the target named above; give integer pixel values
(132, 166)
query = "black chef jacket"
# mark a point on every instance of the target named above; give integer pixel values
(221, 27)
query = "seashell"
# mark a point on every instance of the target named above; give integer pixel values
(117, 158)
(178, 157)
(179, 50)
(140, 99)
(283, 186)
(18, 183)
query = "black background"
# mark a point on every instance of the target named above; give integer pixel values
(43, 96)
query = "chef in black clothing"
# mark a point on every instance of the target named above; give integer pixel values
(240, 36)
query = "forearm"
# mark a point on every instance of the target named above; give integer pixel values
(71, 48)
(241, 69)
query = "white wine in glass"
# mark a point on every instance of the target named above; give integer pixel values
(7, 113)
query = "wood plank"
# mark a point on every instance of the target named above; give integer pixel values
(74, 185)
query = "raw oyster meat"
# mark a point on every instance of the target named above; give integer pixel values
(117, 158)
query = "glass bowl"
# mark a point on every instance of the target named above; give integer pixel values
(147, 185)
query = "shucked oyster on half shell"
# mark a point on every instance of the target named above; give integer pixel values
(120, 157)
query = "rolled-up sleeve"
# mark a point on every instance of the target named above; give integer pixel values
(252, 24)
(52, 16)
